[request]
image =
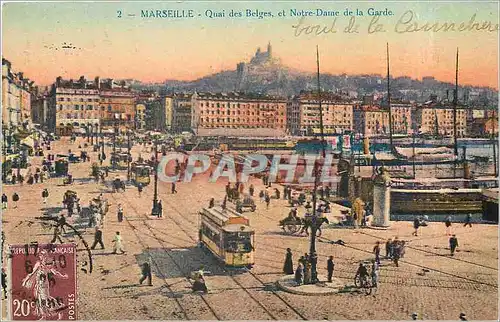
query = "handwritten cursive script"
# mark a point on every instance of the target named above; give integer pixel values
(405, 24)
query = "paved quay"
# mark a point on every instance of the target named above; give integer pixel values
(465, 283)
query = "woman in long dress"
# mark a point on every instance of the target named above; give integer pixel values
(38, 282)
(288, 267)
(299, 273)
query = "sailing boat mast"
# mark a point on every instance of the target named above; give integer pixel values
(322, 135)
(389, 100)
(455, 103)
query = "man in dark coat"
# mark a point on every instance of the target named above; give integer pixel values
(45, 195)
(330, 266)
(251, 190)
(146, 273)
(139, 189)
(15, 198)
(57, 235)
(4, 201)
(173, 188)
(97, 238)
(288, 267)
(416, 224)
(160, 209)
(453, 244)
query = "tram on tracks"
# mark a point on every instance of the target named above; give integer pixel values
(228, 236)
(141, 173)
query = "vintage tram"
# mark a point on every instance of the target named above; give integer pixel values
(227, 234)
(120, 159)
(141, 173)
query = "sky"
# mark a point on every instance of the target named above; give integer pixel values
(156, 49)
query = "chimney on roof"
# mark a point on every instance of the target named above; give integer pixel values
(58, 81)
(448, 95)
(20, 75)
(433, 97)
(97, 82)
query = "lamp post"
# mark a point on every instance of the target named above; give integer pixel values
(129, 156)
(102, 144)
(115, 129)
(154, 211)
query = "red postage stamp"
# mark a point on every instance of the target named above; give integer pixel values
(43, 282)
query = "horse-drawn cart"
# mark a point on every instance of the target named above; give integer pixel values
(291, 225)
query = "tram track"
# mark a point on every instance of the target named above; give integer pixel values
(299, 314)
(157, 266)
(469, 280)
(434, 253)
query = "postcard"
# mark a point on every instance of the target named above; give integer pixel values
(250, 160)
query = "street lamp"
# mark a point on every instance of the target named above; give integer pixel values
(115, 129)
(155, 210)
(129, 155)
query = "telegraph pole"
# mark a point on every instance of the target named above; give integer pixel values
(389, 100)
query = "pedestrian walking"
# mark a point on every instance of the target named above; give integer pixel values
(468, 220)
(447, 223)
(45, 195)
(416, 224)
(139, 189)
(173, 188)
(97, 238)
(376, 251)
(453, 244)
(160, 209)
(4, 283)
(120, 213)
(288, 267)
(268, 200)
(299, 274)
(211, 203)
(262, 196)
(117, 243)
(15, 198)
(57, 235)
(36, 176)
(396, 252)
(4, 201)
(330, 266)
(251, 190)
(388, 248)
(146, 274)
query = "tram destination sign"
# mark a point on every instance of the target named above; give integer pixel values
(43, 282)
